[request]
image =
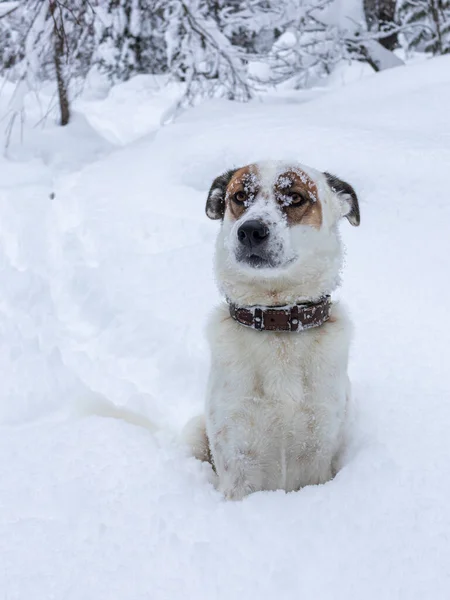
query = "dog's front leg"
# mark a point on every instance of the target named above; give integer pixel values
(234, 419)
(236, 462)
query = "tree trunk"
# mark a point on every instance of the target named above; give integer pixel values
(434, 9)
(380, 13)
(58, 58)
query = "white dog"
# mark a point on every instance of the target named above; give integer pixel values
(278, 392)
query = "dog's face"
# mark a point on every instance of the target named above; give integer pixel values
(279, 225)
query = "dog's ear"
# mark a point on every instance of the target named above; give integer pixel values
(215, 203)
(347, 197)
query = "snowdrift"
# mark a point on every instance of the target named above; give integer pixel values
(106, 262)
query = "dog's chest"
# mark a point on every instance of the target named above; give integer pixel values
(264, 402)
(266, 384)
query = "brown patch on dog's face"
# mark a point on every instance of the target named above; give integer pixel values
(298, 197)
(241, 190)
(294, 191)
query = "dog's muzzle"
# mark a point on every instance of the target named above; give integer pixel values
(252, 233)
(253, 236)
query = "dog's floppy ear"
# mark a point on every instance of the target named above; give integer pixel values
(347, 196)
(215, 203)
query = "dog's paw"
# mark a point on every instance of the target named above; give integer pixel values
(237, 492)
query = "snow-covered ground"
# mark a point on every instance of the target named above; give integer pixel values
(106, 283)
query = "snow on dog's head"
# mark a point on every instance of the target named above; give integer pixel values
(279, 239)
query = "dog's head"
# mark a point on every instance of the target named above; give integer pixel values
(279, 239)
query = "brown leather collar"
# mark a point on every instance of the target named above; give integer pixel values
(296, 317)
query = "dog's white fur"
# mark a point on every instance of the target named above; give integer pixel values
(276, 406)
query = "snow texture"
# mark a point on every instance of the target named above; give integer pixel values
(106, 262)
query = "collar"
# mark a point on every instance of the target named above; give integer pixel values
(290, 317)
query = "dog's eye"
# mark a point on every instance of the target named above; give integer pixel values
(240, 197)
(295, 199)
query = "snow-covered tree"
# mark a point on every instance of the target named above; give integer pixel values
(309, 46)
(227, 48)
(130, 36)
(427, 25)
(200, 55)
(10, 19)
(381, 17)
(47, 40)
(248, 24)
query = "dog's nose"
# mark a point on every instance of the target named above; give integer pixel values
(252, 233)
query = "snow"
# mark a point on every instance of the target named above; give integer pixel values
(106, 288)
(132, 108)
(6, 7)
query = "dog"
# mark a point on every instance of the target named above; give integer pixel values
(277, 405)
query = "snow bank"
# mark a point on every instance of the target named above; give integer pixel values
(132, 109)
(106, 286)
